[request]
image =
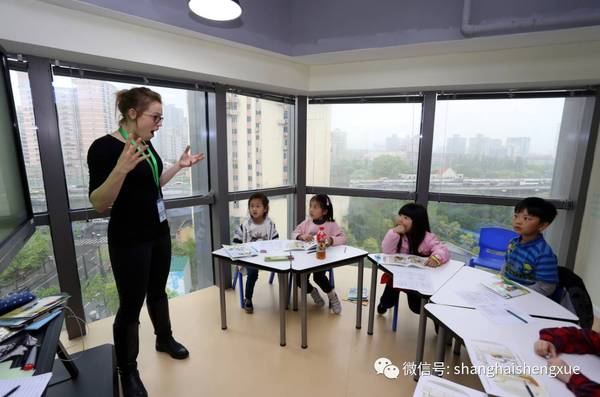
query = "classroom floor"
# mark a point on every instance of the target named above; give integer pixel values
(246, 359)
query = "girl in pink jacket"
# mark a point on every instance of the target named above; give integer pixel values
(412, 235)
(321, 214)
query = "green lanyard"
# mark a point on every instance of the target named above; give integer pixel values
(151, 159)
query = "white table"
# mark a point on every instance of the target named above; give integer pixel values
(472, 324)
(433, 385)
(281, 268)
(301, 266)
(468, 281)
(305, 263)
(438, 276)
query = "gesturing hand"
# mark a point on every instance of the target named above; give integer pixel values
(131, 155)
(187, 159)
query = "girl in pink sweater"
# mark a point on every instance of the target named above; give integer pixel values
(321, 214)
(412, 235)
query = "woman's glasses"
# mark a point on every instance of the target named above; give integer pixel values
(156, 117)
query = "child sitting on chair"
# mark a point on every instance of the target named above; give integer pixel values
(258, 226)
(529, 259)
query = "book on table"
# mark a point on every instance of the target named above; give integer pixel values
(298, 245)
(240, 251)
(404, 260)
(505, 287)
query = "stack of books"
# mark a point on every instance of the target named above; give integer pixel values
(34, 311)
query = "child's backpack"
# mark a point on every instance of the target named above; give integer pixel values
(575, 297)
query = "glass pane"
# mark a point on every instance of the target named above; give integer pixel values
(363, 146)
(365, 220)
(259, 143)
(86, 111)
(280, 212)
(33, 267)
(459, 224)
(191, 263)
(29, 141)
(507, 147)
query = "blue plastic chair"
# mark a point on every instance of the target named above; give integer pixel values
(237, 275)
(493, 243)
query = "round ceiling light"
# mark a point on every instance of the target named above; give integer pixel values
(216, 10)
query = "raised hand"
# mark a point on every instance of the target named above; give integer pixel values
(187, 159)
(131, 155)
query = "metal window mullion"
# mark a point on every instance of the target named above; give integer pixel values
(46, 118)
(218, 172)
(300, 157)
(489, 200)
(425, 148)
(366, 193)
(269, 192)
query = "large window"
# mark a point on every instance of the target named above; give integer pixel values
(459, 224)
(191, 264)
(507, 147)
(29, 142)
(259, 143)
(33, 267)
(363, 146)
(86, 111)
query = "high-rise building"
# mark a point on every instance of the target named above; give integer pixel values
(259, 147)
(456, 144)
(319, 143)
(518, 146)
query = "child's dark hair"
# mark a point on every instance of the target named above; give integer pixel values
(325, 203)
(539, 207)
(263, 199)
(420, 225)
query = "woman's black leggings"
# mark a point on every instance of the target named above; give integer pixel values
(141, 270)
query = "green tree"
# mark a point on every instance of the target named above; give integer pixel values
(389, 167)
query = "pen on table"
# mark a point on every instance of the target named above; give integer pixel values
(14, 389)
(519, 317)
(528, 389)
(345, 248)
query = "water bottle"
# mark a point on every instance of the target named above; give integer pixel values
(321, 243)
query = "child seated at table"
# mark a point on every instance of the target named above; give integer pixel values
(412, 235)
(321, 215)
(529, 259)
(569, 340)
(258, 226)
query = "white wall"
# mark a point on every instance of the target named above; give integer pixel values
(565, 64)
(587, 263)
(95, 36)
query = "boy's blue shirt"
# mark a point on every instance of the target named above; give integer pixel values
(530, 262)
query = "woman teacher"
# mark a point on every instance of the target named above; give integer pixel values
(126, 173)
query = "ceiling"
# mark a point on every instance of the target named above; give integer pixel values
(301, 28)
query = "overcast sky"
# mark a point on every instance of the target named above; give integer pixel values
(368, 125)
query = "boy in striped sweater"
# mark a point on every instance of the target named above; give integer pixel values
(529, 259)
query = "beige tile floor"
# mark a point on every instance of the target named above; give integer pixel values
(246, 359)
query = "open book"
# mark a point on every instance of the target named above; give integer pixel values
(506, 288)
(402, 260)
(240, 251)
(298, 245)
